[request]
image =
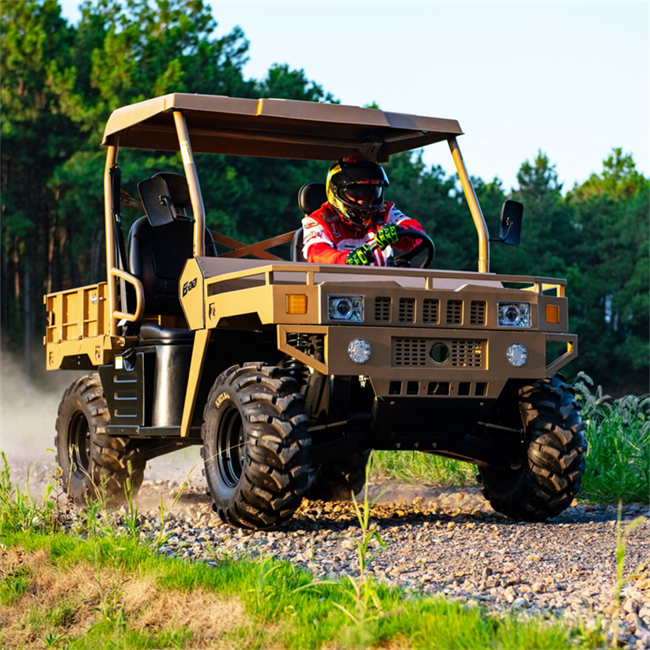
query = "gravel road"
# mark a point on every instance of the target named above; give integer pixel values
(441, 541)
(451, 542)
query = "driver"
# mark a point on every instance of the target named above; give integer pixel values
(356, 225)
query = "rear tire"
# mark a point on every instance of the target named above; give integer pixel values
(551, 473)
(93, 463)
(339, 480)
(255, 446)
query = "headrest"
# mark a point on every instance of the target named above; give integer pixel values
(162, 195)
(179, 190)
(311, 196)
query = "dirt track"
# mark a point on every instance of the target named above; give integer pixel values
(438, 541)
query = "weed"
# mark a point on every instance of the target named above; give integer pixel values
(622, 534)
(110, 590)
(56, 640)
(618, 445)
(131, 517)
(162, 536)
(367, 604)
(20, 510)
(14, 585)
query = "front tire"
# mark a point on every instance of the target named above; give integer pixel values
(94, 465)
(255, 446)
(551, 473)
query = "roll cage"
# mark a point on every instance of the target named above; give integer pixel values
(266, 127)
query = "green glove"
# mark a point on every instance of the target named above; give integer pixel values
(387, 236)
(361, 256)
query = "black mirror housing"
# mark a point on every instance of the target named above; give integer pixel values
(156, 201)
(512, 214)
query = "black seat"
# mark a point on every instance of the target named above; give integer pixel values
(310, 197)
(157, 254)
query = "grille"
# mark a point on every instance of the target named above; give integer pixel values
(477, 312)
(382, 309)
(467, 354)
(406, 310)
(454, 312)
(409, 352)
(430, 310)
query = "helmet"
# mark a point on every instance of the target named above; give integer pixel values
(355, 189)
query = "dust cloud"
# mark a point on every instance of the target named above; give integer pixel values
(28, 413)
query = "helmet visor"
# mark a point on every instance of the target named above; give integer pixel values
(365, 194)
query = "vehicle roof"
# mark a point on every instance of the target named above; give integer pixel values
(276, 128)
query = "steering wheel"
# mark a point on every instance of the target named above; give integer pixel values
(426, 243)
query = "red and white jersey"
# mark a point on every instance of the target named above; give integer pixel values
(328, 239)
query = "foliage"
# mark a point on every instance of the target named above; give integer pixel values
(618, 439)
(60, 82)
(414, 467)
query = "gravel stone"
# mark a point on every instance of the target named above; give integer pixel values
(438, 541)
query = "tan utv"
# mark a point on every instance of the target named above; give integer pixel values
(288, 373)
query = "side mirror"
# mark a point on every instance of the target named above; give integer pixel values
(512, 214)
(156, 201)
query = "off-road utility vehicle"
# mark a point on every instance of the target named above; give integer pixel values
(288, 373)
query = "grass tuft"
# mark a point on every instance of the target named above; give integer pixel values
(618, 445)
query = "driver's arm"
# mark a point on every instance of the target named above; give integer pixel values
(318, 246)
(405, 223)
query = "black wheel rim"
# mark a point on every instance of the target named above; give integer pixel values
(230, 447)
(79, 445)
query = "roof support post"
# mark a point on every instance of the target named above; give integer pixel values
(474, 208)
(111, 159)
(193, 182)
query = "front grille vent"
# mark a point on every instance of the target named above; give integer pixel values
(477, 312)
(382, 309)
(454, 312)
(467, 354)
(406, 310)
(430, 310)
(409, 352)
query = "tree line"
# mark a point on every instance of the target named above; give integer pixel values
(60, 83)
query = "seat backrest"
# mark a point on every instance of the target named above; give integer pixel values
(296, 246)
(157, 254)
(311, 196)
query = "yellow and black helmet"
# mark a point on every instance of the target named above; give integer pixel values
(355, 189)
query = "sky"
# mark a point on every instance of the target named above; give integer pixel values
(568, 78)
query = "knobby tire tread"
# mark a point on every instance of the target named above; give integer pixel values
(275, 473)
(551, 474)
(109, 455)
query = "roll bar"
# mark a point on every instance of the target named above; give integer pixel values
(114, 274)
(474, 208)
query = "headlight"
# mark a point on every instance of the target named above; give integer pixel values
(514, 314)
(517, 355)
(359, 350)
(346, 308)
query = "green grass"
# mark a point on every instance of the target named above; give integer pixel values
(618, 439)
(414, 467)
(286, 608)
(280, 605)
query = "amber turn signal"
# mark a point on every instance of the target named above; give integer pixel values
(553, 314)
(296, 303)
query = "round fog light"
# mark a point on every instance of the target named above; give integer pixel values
(517, 355)
(359, 350)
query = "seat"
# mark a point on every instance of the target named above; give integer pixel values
(157, 253)
(310, 197)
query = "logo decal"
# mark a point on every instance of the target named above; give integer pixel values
(221, 399)
(188, 286)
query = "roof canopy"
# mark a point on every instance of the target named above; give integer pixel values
(275, 128)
